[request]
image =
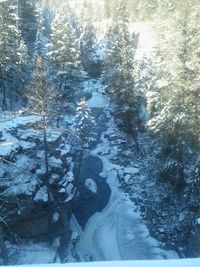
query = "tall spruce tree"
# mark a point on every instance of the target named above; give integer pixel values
(119, 73)
(63, 50)
(13, 52)
(28, 22)
(176, 111)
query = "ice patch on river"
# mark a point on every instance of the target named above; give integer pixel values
(91, 185)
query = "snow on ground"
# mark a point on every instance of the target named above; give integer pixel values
(42, 195)
(98, 99)
(18, 121)
(20, 185)
(9, 143)
(9, 146)
(198, 221)
(32, 253)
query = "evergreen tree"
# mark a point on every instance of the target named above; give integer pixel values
(44, 34)
(28, 22)
(13, 52)
(177, 84)
(89, 58)
(178, 77)
(41, 101)
(84, 123)
(118, 73)
(63, 50)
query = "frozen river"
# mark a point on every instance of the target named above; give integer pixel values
(117, 232)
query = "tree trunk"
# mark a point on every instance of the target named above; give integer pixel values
(45, 145)
(4, 101)
(79, 166)
(180, 181)
(3, 249)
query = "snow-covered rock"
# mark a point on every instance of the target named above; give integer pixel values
(198, 221)
(64, 150)
(55, 217)
(23, 184)
(53, 136)
(11, 123)
(127, 178)
(7, 147)
(69, 177)
(131, 170)
(54, 162)
(42, 195)
(71, 191)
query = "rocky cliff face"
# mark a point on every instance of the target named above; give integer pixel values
(32, 209)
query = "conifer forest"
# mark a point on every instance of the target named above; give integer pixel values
(99, 130)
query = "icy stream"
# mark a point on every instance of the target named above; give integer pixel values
(117, 232)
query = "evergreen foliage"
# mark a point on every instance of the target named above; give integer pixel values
(13, 53)
(119, 71)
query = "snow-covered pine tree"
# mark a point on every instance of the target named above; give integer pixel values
(63, 50)
(89, 57)
(13, 53)
(43, 34)
(84, 123)
(177, 94)
(118, 73)
(41, 99)
(28, 12)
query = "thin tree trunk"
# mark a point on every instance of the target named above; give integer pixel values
(45, 145)
(3, 249)
(180, 182)
(80, 165)
(4, 101)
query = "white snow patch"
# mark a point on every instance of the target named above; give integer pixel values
(55, 216)
(7, 147)
(70, 190)
(52, 136)
(24, 184)
(27, 145)
(54, 162)
(98, 101)
(29, 134)
(65, 150)
(198, 221)
(42, 195)
(69, 177)
(18, 121)
(131, 170)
